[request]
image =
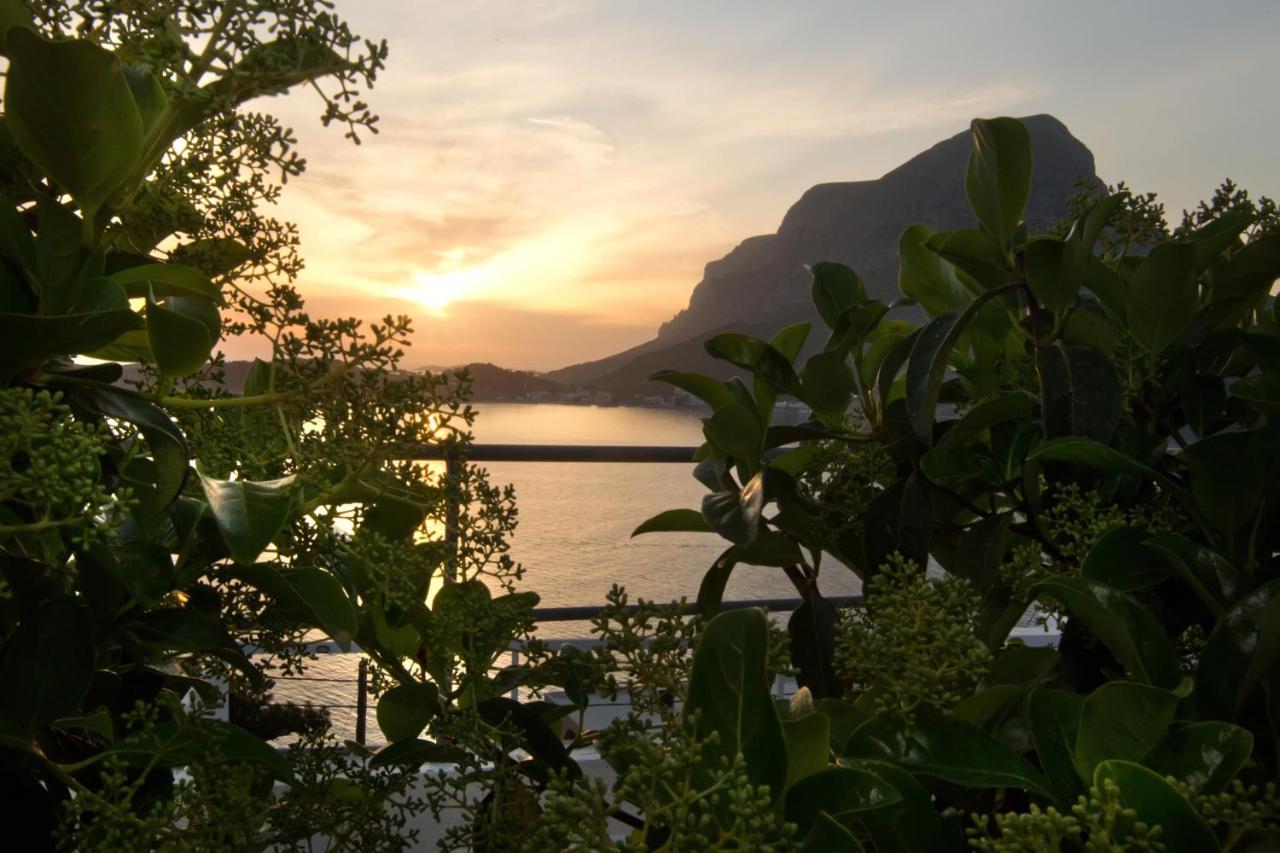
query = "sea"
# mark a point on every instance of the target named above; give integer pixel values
(574, 532)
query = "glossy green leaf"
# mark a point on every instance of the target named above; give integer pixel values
(168, 446)
(1207, 573)
(1054, 717)
(415, 753)
(1080, 392)
(1161, 296)
(1122, 720)
(1119, 559)
(1244, 283)
(171, 745)
(1241, 651)
(735, 430)
(836, 289)
(789, 340)
(1156, 803)
(179, 343)
(757, 356)
(729, 694)
(185, 630)
(1089, 227)
(1095, 455)
(1206, 756)
(978, 257)
(998, 180)
(946, 749)
(1055, 272)
(405, 710)
(769, 549)
(812, 630)
(735, 515)
(30, 339)
(927, 364)
(153, 280)
(925, 277)
(148, 95)
(827, 382)
(674, 521)
(71, 113)
(1128, 629)
(1226, 481)
(827, 835)
(249, 514)
(808, 746)
(911, 824)
(32, 692)
(837, 791)
(714, 580)
(711, 391)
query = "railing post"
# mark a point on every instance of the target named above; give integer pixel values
(452, 513)
(362, 699)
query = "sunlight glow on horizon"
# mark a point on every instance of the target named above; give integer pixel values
(551, 178)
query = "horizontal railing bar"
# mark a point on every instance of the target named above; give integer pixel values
(563, 453)
(777, 605)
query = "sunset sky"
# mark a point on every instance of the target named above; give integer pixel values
(551, 177)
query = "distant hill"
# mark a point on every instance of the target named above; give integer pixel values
(762, 284)
(490, 382)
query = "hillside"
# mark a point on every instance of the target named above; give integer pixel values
(763, 283)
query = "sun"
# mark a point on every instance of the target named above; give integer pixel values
(436, 291)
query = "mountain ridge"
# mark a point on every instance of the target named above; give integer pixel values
(763, 282)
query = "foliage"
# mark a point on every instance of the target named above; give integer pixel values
(1083, 425)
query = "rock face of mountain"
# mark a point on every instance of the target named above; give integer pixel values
(763, 281)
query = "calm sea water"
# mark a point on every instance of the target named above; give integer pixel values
(575, 523)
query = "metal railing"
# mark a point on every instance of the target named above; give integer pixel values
(452, 457)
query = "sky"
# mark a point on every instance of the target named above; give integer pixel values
(551, 177)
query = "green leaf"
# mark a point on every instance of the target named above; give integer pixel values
(1118, 559)
(789, 340)
(674, 521)
(31, 339)
(837, 791)
(1161, 297)
(711, 391)
(1241, 651)
(71, 113)
(927, 364)
(1206, 756)
(729, 694)
(13, 13)
(735, 515)
(405, 710)
(1055, 272)
(168, 446)
(811, 632)
(711, 589)
(769, 549)
(808, 746)
(171, 745)
(32, 691)
(735, 430)
(1054, 717)
(1156, 803)
(1014, 406)
(1226, 480)
(912, 824)
(977, 256)
(148, 95)
(1123, 720)
(1080, 392)
(757, 356)
(1245, 282)
(828, 836)
(998, 180)
(1128, 629)
(1207, 573)
(179, 343)
(249, 514)
(827, 383)
(150, 280)
(1096, 455)
(946, 749)
(185, 630)
(836, 289)
(925, 277)
(1088, 228)
(415, 753)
